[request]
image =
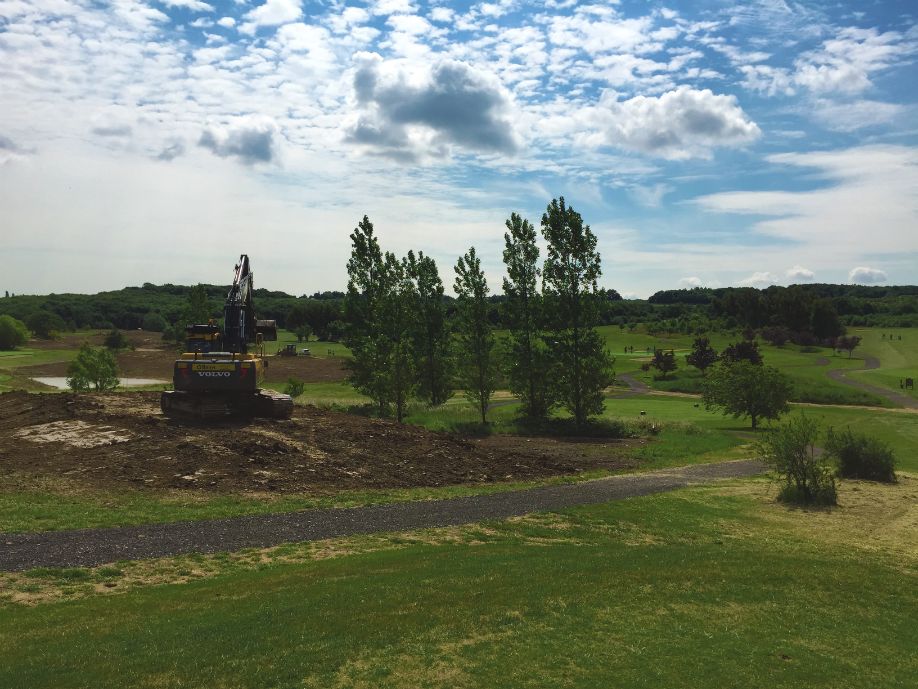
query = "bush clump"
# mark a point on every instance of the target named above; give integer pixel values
(115, 339)
(861, 456)
(13, 332)
(808, 476)
(294, 387)
(93, 369)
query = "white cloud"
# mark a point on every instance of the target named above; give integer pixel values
(800, 274)
(683, 123)
(845, 63)
(226, 22)
(617, 35)
(138, 16)
(442, 14)
(848, 116)
(867, 276)
(650, 196)
(407, 115)
(272, 13)
(690, 282)
(195, 5)
(768, 80)
(384, 7)
(863, 189)
(759, 279)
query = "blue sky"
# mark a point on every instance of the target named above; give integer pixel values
(706, 143)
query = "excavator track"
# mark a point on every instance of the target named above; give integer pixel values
(207, 406)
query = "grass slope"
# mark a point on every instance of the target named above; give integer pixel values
(699, 588)
(898, 358)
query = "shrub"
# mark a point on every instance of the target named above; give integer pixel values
(115, 340)
(861, 456)
(154, 322)
(45, 324)
(93, 369)
(790, 450)
(13, 332)
(294, 387)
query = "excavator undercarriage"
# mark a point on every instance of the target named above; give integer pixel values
(264, 403)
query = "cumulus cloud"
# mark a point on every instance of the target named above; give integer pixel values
(249, 140)
(800, 274)
(845, 63)
(451, 104)
(272, 13)
(759, 279)
(691, 282)
(195, 5)
(384, 7)
(683, 123)
(867, 276)
(226, 22)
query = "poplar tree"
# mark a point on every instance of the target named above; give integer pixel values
(527, 362)
(572, 267)
(366, 289)
(431, 335)
(396, 319)
(475, 336)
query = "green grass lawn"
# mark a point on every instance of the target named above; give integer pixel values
(704, 587)
(806, 369)
(898, 358)
(12, 360)
(316, 348)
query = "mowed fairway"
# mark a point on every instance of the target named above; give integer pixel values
(705, 587)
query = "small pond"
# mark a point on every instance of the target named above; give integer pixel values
(60, 382)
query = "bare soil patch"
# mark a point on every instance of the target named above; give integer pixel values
(150, 358)
(122, 440)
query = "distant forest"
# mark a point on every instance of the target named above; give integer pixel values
(814, 311)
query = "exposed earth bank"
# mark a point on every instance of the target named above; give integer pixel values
(122, 440)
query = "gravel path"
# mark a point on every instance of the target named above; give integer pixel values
(637, 387)
(90, 547)
(871, 363)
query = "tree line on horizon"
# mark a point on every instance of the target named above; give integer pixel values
(406, 346)
(804, 314)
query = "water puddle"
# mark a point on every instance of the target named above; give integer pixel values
(60, 382)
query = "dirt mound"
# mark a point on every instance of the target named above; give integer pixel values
(122, 440)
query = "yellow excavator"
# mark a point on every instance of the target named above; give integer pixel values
(221, 370)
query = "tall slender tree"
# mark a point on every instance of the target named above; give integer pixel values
(431, 335)
(366, 288)
(476, 337)
(397, 318)
(571, 269)
(527, 362)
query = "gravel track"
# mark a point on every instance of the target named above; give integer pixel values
(638, 387)
(871, 363)
(91, 547)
